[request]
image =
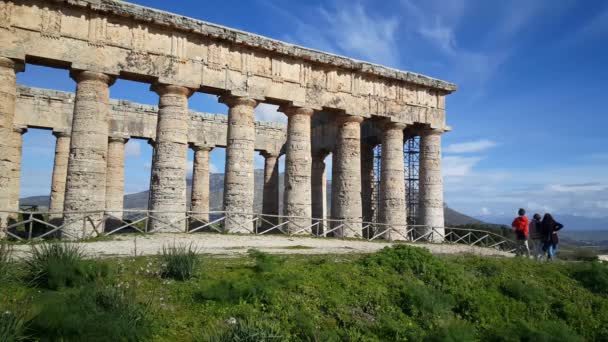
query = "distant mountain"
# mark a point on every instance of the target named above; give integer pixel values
(216, 192)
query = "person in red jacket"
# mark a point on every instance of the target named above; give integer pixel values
(520, 224)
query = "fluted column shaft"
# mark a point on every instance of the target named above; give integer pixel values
(346, 176)
(115, 179)
(298, 163)
(10, 140)
(60, 170)
(367, 181)
(270, 200)
(392, 183)
(238, 181)
(86, 176)
(431, 183)
(169, 165)
(319, 192)
(199, 203)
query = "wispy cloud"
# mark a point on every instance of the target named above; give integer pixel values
(470, 146)
(458, 166)
(268, 112)
(350, 29)
(133, 149)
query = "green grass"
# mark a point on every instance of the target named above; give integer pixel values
(178, 262)
(398, 294)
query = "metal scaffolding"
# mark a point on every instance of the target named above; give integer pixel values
(411, 154)
(376, 181)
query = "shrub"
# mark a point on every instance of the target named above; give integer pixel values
(12, 326)
(265, 262)
(246, 331)
(418, 262)
(452, 331)
(542, 331)
(57, 265)
(178, 262)
(425, 303)
(593, 276)
(519, 290)
(91, 313)
(6, 252)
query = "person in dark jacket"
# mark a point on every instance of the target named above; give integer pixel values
(549, 229)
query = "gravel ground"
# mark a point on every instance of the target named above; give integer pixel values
(232, 245)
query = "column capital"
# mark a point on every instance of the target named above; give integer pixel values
(232, 100)
(62, 134)
(16, 65)
(165, 89)
(388, 125)
(118, 138)
(20, 129)
(430, 131)
(344, 118)
(294, 110)
(201, 147)
(270, 154)
(84, 75)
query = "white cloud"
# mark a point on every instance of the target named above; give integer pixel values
(457, 166)
(357, 32)
(213, 168)
(268, 112)
(189, 168)
(470, 146)
(133, 149)
(346, 28)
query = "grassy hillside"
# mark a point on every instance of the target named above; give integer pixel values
(398, 294)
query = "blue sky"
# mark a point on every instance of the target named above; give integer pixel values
(528, 120)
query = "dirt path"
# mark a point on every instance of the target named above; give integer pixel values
(222, 244)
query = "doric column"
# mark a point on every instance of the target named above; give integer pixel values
(270, 200)
(319, 192)
(367, 181)
(238, 181)
(169, 165)
(298, 162)
(346, 176)
(431, 183)
(392, 183)
(60, 170)
(199, 203)
(10, 143)
(115, 179)
(86, 177)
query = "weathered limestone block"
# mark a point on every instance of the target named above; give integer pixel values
(199, 204)
(346, 176)
(168, 180)
(319, 192)
(86, 176)
(270, 199)
(392, 183)
(238, 181)
(367, 182)
(60, 170)
(10, 151)
(115, 178)
(431, 183)
(298, 163)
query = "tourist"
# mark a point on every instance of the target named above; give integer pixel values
(520, 224)
(536, 237)
(550, 227)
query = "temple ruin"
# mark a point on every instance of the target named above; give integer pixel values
(333, 104)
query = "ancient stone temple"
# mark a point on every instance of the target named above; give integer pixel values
(333, 104)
